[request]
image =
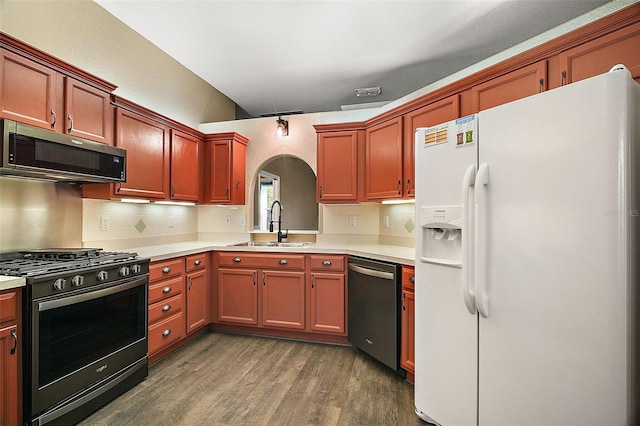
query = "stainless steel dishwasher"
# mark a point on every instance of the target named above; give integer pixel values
(374, 317)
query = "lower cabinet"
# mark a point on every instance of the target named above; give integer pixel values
(178, 300)
(407, 321)
(283, 291)
(327, 311)
(10, 350)
(264, 290)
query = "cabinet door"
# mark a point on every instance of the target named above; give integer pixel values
(219, 156)
(384, 160)
(327, 303)
(147, 145)
(238, 296)
(430, 115)
(185, 172)
(407, 333)
(598, 56)
(282, 299)
(88, 112)
(9, 386)
(197, 297)
(238, 172)
(509, 87)
(337, 167)
(28, 92)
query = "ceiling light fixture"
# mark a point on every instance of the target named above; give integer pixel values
(368, 91)
(282, 128)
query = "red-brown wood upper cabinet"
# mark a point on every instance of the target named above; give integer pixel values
(185, 170)
(598, 56)
(32, 93)
(383, 160)
(225, 168)
(148, 151)
(337, 179)
(517, 84)
(430, 115)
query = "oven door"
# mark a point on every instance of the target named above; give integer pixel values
(83, 337)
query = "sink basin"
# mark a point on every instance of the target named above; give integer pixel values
(271, 244)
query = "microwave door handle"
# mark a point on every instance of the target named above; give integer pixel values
(467, 240)
(482, 300)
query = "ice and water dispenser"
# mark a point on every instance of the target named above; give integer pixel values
(442, 235)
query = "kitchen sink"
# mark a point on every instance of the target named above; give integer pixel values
(270, 244)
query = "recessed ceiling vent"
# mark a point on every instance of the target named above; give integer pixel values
(368, 91)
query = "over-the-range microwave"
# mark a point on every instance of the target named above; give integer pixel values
(32, 152)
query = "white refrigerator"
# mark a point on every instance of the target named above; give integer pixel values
(526, 294)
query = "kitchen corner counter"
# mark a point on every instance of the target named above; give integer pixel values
(390, 253)
(7, 282)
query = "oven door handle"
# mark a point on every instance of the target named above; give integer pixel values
(90, 295)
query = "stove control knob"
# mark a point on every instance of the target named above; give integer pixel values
(124, 271)
(103, 276)
(77, 280)
(59, 284)
(136, 269)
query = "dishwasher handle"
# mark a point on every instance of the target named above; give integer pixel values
(372, 272)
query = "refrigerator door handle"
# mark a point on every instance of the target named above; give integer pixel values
(467, 240)
(480, 243)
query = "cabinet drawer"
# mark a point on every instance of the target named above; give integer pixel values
(408, 277)
(8, 306)
(197, 261)
(166, 308)
(165, 289)
(166, 269)
(165, 332)
(262, 261)
(326, 262)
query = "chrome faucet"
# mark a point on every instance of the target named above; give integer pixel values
(281, 235)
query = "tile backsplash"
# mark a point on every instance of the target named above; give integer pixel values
(115, 225)
(41, 214)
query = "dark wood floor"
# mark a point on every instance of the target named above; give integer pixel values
(229, 379)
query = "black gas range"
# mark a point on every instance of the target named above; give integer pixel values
(84, 328)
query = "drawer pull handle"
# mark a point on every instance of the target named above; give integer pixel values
(326, 263)
(167, 289)
(236, 259)
(166, 270)
(197, 262)
(15, 342)
(165, 308)
(166, 332)
(283, 261)
(412, 279)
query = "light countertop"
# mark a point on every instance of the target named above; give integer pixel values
(7, 282)
(390, 253)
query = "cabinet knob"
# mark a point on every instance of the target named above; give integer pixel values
(167, 289)
(197, 262)
(166, 332)
(166, 270)
(236, 259)
(283, 261)
(165, 308)
(412, 279)
(326, 263)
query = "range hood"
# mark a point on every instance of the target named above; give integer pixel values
(34, 153)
